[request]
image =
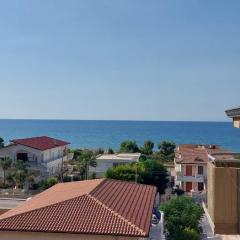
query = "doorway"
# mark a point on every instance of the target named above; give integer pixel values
(188, 186)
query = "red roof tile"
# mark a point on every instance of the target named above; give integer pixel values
(40, 143)
(193, 153)
(100, 207)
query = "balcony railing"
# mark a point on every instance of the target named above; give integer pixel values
(195, 178)
(64, 157)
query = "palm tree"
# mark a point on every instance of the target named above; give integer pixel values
(5, 164)
(1, 142)
(84, 161)
(20, 173)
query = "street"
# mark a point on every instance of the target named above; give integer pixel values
(9, 203)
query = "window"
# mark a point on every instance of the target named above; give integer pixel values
(200, 170)
(200, 186)
(188, 170)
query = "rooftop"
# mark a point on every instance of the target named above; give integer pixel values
(120, 156)
(88, 207)
(197, 153)
(233, 112)
(41, 143)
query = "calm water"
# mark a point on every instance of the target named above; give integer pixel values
(94, 134)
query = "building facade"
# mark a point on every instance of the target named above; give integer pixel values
(224, 195)
(106, 161)
(223, 201)
(42, 154)
(191, 166)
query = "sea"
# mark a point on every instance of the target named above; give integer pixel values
(109, 134)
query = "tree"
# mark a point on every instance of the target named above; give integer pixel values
(110, 151)
(155, 174)
(5, 164)
(1, 142)
(19, 178)
(84, 161)
(147, 148)
(129, 147)
(148, 172)
(76, 153)
(99, 151)
(180, 214)
(166, 149)
(19, 173)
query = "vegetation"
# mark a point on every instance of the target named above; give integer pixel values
(147, 148)
(19, 173)
(99, 151)
(5, 164)
(1, 142)
(16, 174)
(147, 172)
(83, 159)
(110, 151)
(129, 147)
(179, 191)
(166, 150)
(67, 178)
(127, 172)
(237, 157)
(155, 174)
(187, 234)
(45, 184)
(182, 216)
(76, 178)
(93, 175)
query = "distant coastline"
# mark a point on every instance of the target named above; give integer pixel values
(111, 120)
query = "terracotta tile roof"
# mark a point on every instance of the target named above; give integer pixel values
(59, 193)
(92, 207)
(40, 143)
(195, 153)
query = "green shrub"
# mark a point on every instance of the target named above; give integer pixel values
(67, 178)
(92, 175)
(45, 184)
(34, 186)
(76, 178)
(187, 234)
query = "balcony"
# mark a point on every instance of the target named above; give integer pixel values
(183, 178)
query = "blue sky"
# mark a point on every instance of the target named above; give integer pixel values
(125, 59)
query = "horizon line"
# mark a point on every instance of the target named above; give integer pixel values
(117, 120)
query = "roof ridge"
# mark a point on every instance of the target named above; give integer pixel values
(116, 214)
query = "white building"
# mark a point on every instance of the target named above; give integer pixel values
(43, 154)
(191, 166)
(106, 161)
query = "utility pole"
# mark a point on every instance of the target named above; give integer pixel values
(136, 175)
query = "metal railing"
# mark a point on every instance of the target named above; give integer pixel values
(183, 177)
